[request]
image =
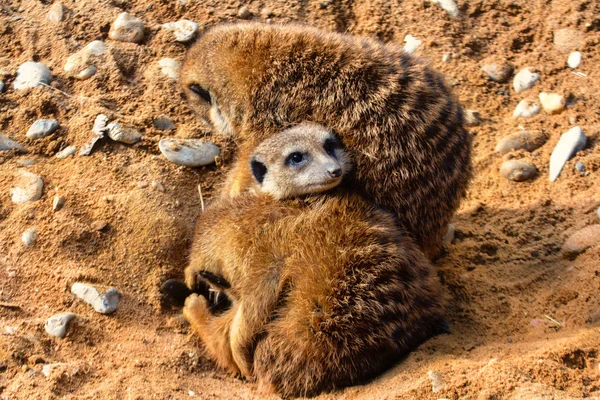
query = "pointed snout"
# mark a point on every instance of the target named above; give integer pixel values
(335, 172)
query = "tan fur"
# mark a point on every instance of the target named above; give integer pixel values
(399, 121)
(325, 291)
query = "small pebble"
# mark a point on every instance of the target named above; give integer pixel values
(123, 134)
(99, 225)
(526, 140)
(411, 44)
(81, 65)
(157, 186)
(579, 166)
(189, 152)
(598, 212)
(552, 103)
(449, 6)
(56, 13)
(1, 86)
(527, 109)
(66, 152)
(498, 73)
(449, 237)
(57, 203)
(244, 12)
(98, 130)
(42, 128)
(437, 381)
(127, 28)
(9, 144)
(580, 241)
(183, 30)
(447, 57)
(32, 74)
(164, 123)
(169, 67)
(567, 40)
(28, 187)
(105, 303)
(472, 118)
(58, 324)
(525, 79)
(517, 171)
(569, 143)
(29, 237)
(574, 59)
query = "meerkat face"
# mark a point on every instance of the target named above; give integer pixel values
(307, 158)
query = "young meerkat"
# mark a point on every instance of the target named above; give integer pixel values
(312, 293)
(400, 123)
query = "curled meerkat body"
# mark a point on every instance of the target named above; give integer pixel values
(322, 291)
(400, 123)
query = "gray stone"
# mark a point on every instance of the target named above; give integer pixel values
(56, 13)
(189, 152)
(28, 187)
(574, 59)
(517, 171)
(66, 152)
(9, 144)
(105, 303)
(123, 134)
(527, 109)
(579, 166)
(58, 324)
(525, 79)
(498, 73)
(82, 65)
(183, 30)
(42, 128)
(127, 28)
(30, 237)
(526, 140)
(164, 123)
(581, 240)
(569, 143)
(32, 74)
(99, 129)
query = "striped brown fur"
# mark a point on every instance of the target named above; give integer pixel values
(399, 120)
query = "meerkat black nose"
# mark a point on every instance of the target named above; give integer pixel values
(336, 173)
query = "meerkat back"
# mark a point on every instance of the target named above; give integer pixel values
(399, 121)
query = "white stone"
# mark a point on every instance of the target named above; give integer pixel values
(29, 237)
(569, 143)
(184, 30)
(169, 67)
(81, 65)
(56, 13)
(189, 152)
(411, 44)
(28, 187)
(574, 59)
(42, 128)
(105, 303)
(447, 57)
(449, 6)
(525, 79)
(32, 74)
(66, 152)
(123, 134)
(57, 203)
(127, 28)
(552, 103)
(527, 109)
(9, 144)
(58, 324)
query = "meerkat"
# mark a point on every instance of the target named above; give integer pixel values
(313, 293)
(401, 124)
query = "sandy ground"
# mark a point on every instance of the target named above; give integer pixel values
(504, 273)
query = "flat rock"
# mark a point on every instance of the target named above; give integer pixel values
(411, 44)
(105, 303)
(569, 143)
(29, 237)
(28, 187)
(500, 73)
(32, 74)
(164, 123)
(42, 128)
(9, 144)
(525, 79)
(58, 324)
(581, 240)
(527, 109)
(567, 39)
(526, 140)
(123, 134)
(127, 28)
(66, 152)
(82, 65)
(552, 103)
(574, 59)
(517, 171)
(189, 152)
(183, 30)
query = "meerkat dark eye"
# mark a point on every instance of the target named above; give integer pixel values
(203, 94)
(259, 170)
(329, 146)
(296, 158)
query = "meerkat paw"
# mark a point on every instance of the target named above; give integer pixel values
(196, 310)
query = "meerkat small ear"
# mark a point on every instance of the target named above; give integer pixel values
(259, 170)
